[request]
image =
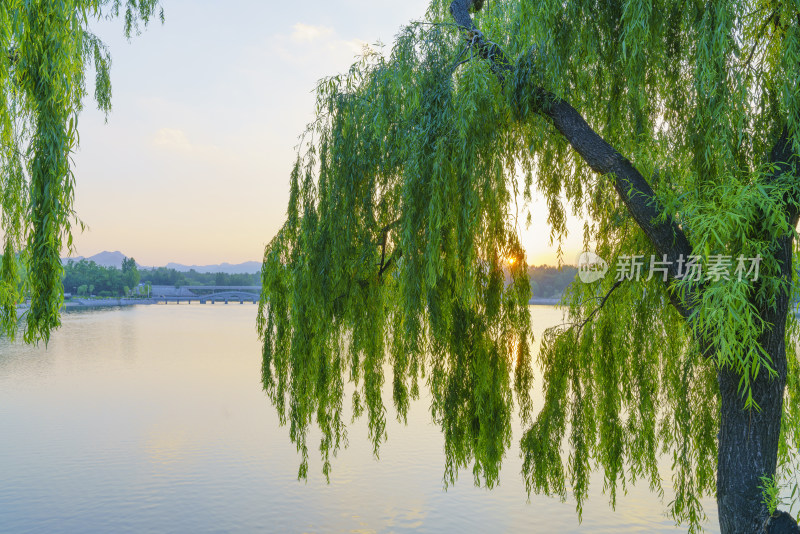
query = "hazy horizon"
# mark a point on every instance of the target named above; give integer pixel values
(193, 164)
(233, 264)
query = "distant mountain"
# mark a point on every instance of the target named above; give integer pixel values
(104, 259)
(114, 259)
(247, 267)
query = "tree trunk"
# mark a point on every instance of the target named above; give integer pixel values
(748, 439)
(748, 446)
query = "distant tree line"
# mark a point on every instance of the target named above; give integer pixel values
(86, 278)
(550, 282)
(162, 276)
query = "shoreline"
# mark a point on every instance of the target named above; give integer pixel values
(105, 303)
(77, 304)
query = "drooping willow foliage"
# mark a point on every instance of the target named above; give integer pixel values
(392, 254)
(46, 48)
(399, 259)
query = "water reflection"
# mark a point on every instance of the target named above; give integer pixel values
(153, 419)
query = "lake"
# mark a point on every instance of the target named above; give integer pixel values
(152, 418)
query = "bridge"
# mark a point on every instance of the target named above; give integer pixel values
(205, 294)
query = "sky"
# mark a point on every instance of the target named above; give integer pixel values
(192, 165)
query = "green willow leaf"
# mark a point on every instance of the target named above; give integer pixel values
(45, 48)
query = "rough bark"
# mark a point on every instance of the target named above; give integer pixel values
(781, 523)
(748, 439)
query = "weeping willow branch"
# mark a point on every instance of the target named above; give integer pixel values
(459, 61)
(13, 149)
(384, 265)
(603, 300)
(396, 255)
(566, 327)
(460, 10)
(635, 192)
(759, 35)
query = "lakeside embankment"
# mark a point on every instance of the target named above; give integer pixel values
(112, 302)
(96, 303)
(105, 303)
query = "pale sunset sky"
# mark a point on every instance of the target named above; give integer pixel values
(193, 164)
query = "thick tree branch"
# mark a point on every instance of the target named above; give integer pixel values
(486, 49)
(635, 192)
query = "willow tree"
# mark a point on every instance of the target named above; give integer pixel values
(46, 48)
(672, 128)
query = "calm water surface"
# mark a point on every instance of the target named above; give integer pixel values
(152, 419)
